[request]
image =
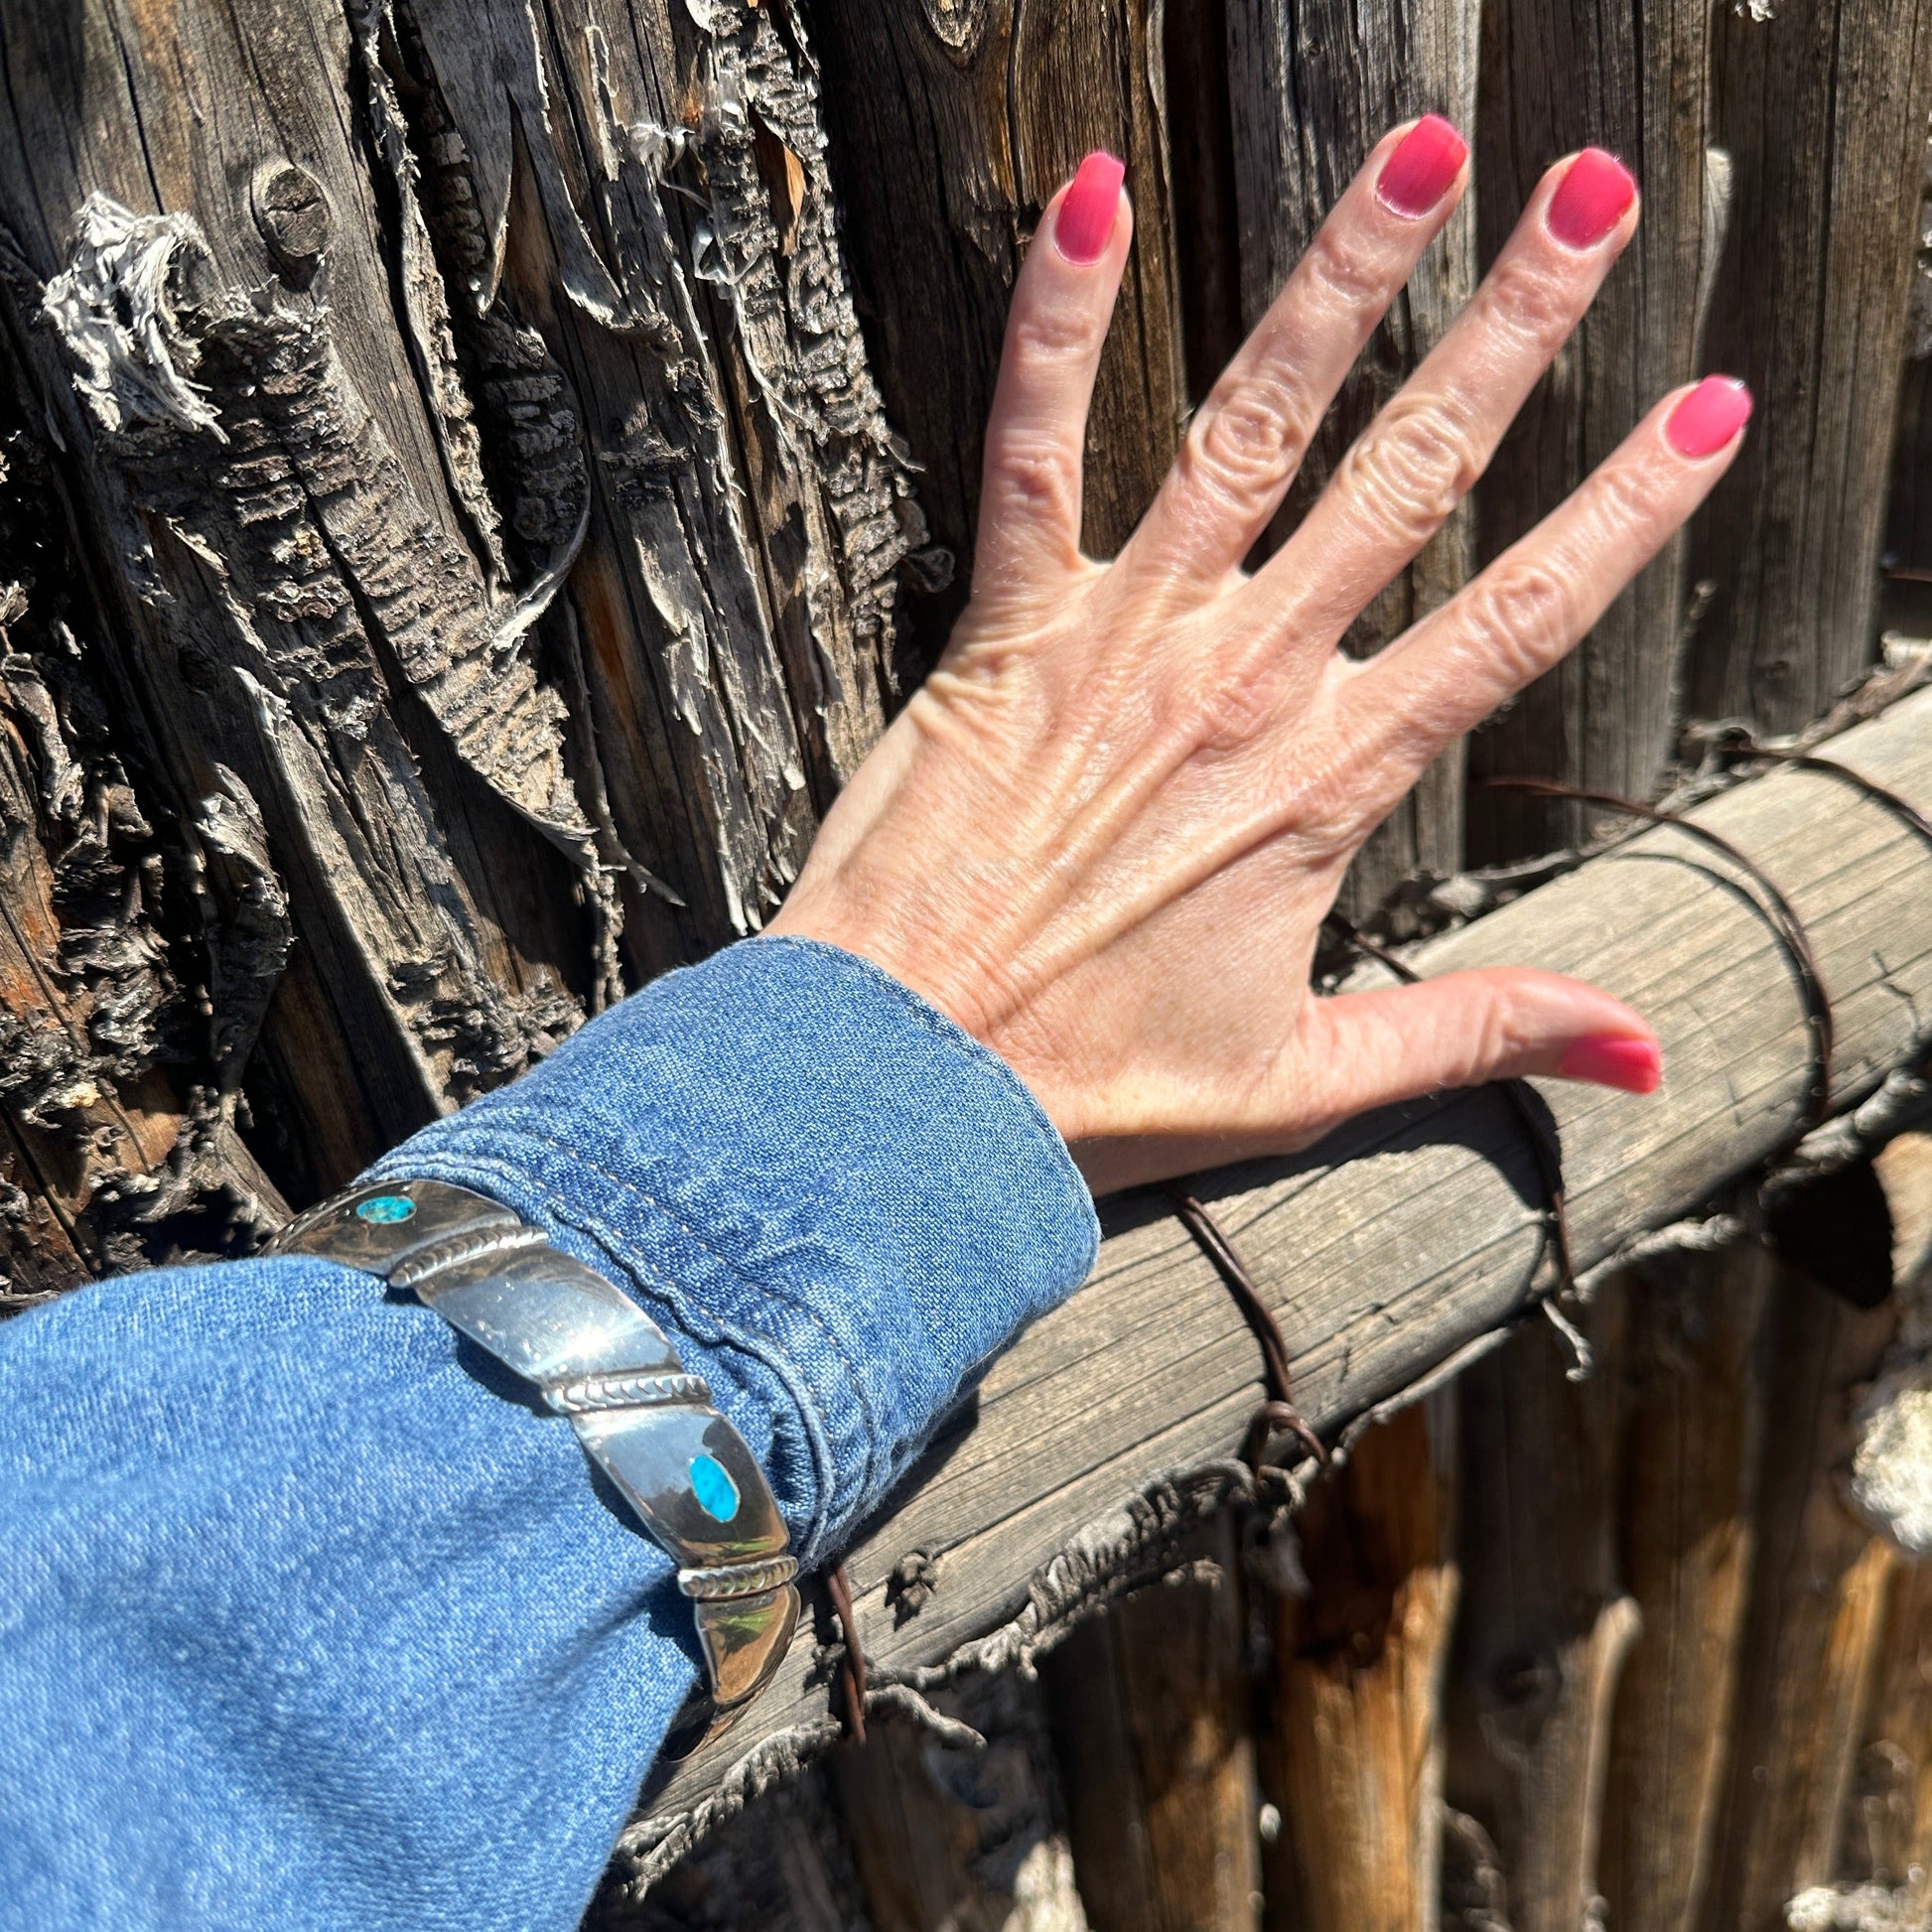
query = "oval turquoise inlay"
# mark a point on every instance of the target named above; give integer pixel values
(717, 1493)
(386, 1208)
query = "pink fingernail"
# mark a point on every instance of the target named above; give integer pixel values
(1709, 417)
(1418, 174)
(1086, 218)
(1590, 200)
(1614, 1060)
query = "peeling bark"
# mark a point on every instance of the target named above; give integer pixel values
(497, 529)
(135, 964)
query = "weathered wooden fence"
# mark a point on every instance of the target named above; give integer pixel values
(477, 478)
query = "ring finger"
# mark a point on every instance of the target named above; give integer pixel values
(1528, 608)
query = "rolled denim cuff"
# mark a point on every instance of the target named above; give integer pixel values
(840, 1204)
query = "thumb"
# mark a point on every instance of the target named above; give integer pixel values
(1368, 1050)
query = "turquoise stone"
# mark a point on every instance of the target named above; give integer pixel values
(386, 1208)
(717, 1493)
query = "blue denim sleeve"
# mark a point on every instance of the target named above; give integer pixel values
(304, 1624)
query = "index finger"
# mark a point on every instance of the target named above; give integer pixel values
(1030, 496)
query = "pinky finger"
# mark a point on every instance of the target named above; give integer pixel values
(1531, 607)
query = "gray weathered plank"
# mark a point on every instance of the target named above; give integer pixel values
(1633, 77)
(952, 123)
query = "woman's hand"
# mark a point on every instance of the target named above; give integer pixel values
(1103, 836)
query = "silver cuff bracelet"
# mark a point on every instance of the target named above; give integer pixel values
(598, 1359)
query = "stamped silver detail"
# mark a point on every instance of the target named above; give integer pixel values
(725, 1580)
(627, 1392)
(687, 1474)
(472, 1245)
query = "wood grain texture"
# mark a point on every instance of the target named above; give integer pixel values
(1412, 1232)
(958, 1836)
(1691, 1431)
(1810, 1651)
(1633, 77)
(1886, 1829)
(1888, 1825)
(788, 1868)
(1312, 89)
(137, 958)
(952, 123)
(1149, 1710)
(1353, 1745)
(1822, 110)
(1206, 207)
(1905, 601)
(1547, 1624)
(344, 333)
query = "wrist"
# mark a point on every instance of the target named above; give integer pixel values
(943, 977)
(836, 1203)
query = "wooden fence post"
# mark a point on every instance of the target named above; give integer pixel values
(1149, 1708)
(1818, 1590)
(1312, 89)
(951, 127)
(1690, 1435)
(1546, 1625)
(1631, 76)
(326, 595)
(1352, 1750)
(1821, 105)
(958, 1837)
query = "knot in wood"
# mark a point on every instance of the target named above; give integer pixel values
(916, 1576)
(291, 213)
(957, 26)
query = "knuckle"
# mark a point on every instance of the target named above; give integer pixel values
(1233, 714)
(1529, 300)
(1413, 464)
(1346, 268)
(1497, 1038)
(1245, 446)
(1520, 617)
(1046, 338)
(1037, 478)
(1510, 1028)
(1625, 499)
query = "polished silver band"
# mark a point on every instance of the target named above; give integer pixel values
(600, 1360)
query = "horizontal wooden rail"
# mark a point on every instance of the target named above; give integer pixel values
(1415, 1231)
